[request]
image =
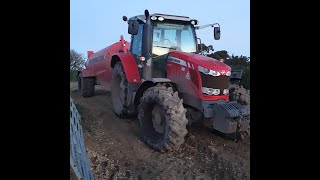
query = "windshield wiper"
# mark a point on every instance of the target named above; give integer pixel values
(166, 47)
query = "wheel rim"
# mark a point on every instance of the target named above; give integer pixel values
(157, 121)
(154, 123)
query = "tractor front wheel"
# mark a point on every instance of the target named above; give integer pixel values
(162, 118)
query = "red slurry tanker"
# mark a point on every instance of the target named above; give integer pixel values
(160, 77)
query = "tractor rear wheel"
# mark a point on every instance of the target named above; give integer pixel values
(162, 118)
(85, 86)
(119, 91)
(240, 94)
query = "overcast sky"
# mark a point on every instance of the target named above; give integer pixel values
(95, 24)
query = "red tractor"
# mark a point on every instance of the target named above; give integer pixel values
(161, 77)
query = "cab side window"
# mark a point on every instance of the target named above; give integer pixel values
(136, 44)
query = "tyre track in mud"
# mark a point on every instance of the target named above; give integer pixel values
(115, 150)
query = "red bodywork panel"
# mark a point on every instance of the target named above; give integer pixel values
(187, 77)
(87, 73)
(90, 53)
(130, 67)
(98, 64)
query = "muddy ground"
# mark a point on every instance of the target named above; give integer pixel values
(115, 150)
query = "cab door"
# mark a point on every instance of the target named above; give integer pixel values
(136, 45)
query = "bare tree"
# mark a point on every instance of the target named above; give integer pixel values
(76, 60)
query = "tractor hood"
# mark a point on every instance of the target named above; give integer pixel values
(200, 60)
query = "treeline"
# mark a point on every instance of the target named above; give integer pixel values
(76, 63)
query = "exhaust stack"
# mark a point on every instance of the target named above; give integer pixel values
(146, 48)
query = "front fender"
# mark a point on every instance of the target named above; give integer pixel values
(129, 65)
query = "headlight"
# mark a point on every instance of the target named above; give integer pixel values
(160, 18)
(208, 71)
(210, 91)
(226, 91)
(214, 73)
(153, 18)
(202, 69)
(141, 58)
(228, 73)
(194, 22)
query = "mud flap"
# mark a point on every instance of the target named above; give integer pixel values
(132, 89)
(228, 117)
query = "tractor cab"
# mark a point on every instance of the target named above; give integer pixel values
(155, 35)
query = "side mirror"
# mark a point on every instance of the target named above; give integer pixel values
(216, 31)
(124, 18)
(133, 27)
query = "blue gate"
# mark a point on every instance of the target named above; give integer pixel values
(78, 156)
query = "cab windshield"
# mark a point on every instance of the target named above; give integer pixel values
(170, 36)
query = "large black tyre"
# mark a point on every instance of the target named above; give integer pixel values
(162, 118)
(240, 94)
(119, 92)
(86, 86)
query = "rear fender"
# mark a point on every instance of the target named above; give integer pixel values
(129, 65)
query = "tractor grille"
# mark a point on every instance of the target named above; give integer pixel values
(215, 82)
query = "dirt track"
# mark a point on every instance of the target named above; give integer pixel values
(116, 151)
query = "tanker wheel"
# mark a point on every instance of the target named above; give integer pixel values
(119, 91)
(85, 86)
(162, 118)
